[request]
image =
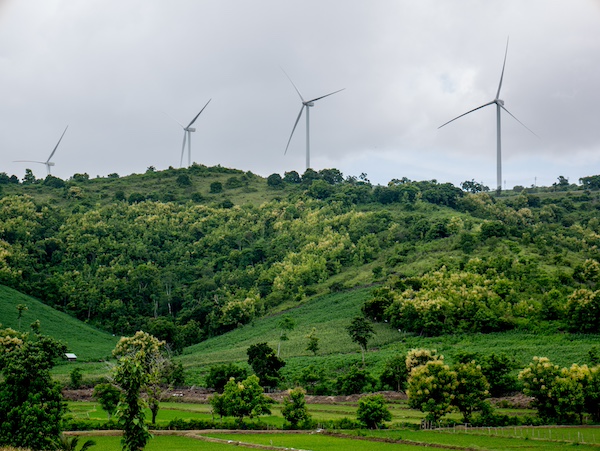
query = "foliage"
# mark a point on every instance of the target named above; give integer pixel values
(360, 331)
(76, 377)
(219, 375)
(286, 324)
(354, 380)
(139, 360)
(265, 363)
(31, 407)
(66, 443)
(242, 399)
(419, 356)
(312, 341)
(431, 389)
(471, 391)
(537, 379)
(108, 396)
(372, 411)
(395, 373)
(294, 407)
(583, 311)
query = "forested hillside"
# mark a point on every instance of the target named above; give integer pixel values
(187, 254)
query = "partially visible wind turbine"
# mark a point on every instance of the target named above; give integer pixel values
(187, 135)
(48, 163)
(499, 106)
(305, 104)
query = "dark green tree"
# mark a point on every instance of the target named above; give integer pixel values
(31, 405)
(108, 396)
(219, 375)
(360, 331)
(394, 373)
(265, 364)
(355, 380)
(242, 399)
(372, 411)
(294, 407)
(313, 341)
(275, 181)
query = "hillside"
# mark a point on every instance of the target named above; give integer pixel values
(88, 343)
(191, 254)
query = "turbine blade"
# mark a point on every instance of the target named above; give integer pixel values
(168, 115)
(194, 120)
(502, 75)
(56, 147)
(28, 161)
(326, 95)
(514, 117)
(183, 148)
(464, 114)
(294, 129)
(297, 90)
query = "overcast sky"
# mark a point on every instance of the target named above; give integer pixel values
(111, 69)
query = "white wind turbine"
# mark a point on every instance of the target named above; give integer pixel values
(187, 136)
(499, 106)
(305, 104)
(48, 163)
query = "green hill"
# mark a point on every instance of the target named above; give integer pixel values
(88, 343)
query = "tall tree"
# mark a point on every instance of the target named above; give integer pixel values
(265, 363)
(31, 405)
(136, 371)
(360, 331)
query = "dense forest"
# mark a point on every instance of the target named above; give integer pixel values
(187, 254)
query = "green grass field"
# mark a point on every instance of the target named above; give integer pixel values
(88, 343)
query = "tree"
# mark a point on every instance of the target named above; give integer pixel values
(355, 380)
(394, 373)
(472, 390)
(285, 324)
(219, 375)
(108, 396)
(430, 389)
(372, 411)
(294, 407)
(138, 360)
(242, 399)
(275, 181)
(20, 309)
(360, 331)
(31, 405)
(265, 363)
(183, 180)
(76, 377)
(291, 177)
(417, 357)
(313, 341)
(497, 369)
(216, 187)
(538, 378)
(29, 178)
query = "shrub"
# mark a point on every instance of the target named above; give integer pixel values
(372, 411)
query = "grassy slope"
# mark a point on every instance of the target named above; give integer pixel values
(331, 313)
(88, 343)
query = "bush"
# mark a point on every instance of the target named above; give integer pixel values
(219, 375)
(373, 411)
(294, 407)
(216, 187)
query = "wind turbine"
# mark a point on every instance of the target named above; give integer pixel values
(48, 163)
(305, 104)
(187, 136)
(499, 106)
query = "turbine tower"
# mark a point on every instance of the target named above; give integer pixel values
(305, 104)
(499, 106)
(48, 163)
(187, 136)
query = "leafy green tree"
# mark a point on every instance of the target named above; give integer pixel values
(138, 361)
(242, 399)
(313, 379)
(216, 187)
(285, 324)
(471, 391)
(219, 375)
(583, 311)
(431, 389)
(360, 331)
(76, 377)
(29, 178)
(355, 380)
(21, 308)
(108, 396)
(183, 180)
(418, 357)
(373, 411)
(31, 405)
(294, 407)
(592, 394)
(312, 341)
(292, 177)
(394, 373)
(275, 181)
(538, 378)
(497, 369)
(265, 363)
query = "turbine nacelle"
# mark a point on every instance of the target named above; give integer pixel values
(190, 129)
(309, 103)
(500, 102)
(49, 163)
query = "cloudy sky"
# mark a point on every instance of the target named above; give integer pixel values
(111, 69)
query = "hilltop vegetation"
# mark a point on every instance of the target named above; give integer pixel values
(187, 254)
